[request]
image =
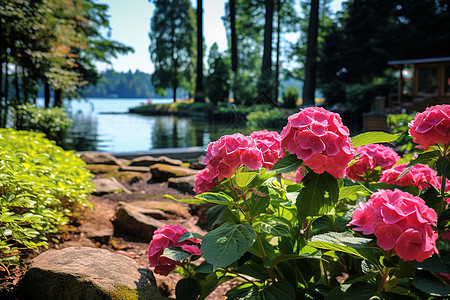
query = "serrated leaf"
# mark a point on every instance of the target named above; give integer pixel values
(342, 238)
(356, 291)
(175, 253)
(280, 290)
(347, 191)
(426, 158)
(243, 179)
(443, 167)
(429, 284)
(187, 289)
(190, 201)
(287, 164)
(433, 264)
(189, 235)
(227, 243)
(217, 198)
(373, 137)
(319, 195)
(205, 268)
(272, 225)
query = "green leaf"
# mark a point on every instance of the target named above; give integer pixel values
(443, 167)
(189, 235)
(286, 257)
(287, 164)
(428, 283)
(190, 201)
(318, 197)
(373, 137)
(347, 191)
(431, 196)
(342, 238)
(218, 198)
(175, 253)
(205, 268)
(356, 291)
(243, 179)
(280, 290)
(444, 219)
(272, 225)
(375, 186)
(426, 158)
(215, 215)
(187, 289)
(227, 243)
(433, 264)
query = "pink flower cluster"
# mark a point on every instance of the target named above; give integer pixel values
(400, 221)
(319, 138)
(371, 156)
(431, 127)
(420, 175)
(260, 149)
(165, 237)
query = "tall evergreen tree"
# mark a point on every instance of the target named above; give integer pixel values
(218, 78)
(172, 45)
(199, 74)
(309, 86)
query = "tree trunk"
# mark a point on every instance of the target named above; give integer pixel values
(268, 29)
(58, 98)
(174, 89)
(16, 84)
(277, 63)
(234, 55)
(199, 81)
(311, 55)
(4, 111)
(47, 95)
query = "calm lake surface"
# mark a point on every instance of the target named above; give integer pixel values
(104, 125)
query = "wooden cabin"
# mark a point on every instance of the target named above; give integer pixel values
(421, 83)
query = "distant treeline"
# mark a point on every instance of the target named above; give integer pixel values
(122, 85)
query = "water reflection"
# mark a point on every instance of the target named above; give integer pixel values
(93, 129)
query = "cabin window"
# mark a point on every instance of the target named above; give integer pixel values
(447, 80)
(428, 80)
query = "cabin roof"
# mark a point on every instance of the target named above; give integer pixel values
(418, 61)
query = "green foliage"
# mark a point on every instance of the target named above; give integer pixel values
(42, 186)
(50, 121)
(270, 118)
(217, 81)
(398, 123)
(290, 96)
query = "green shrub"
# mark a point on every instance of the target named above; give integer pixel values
(398, 123)
(51, 121)
(41, 187)
(271, 118)
(290, 96)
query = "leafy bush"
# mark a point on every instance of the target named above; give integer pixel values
(51, 121)
(398, 123)
(41, 187)
(266, 119)
(290, 96)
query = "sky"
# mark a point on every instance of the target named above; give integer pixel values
(130, 25)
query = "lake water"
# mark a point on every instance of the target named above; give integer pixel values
(104, 125)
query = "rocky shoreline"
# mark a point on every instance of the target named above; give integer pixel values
(104, 254)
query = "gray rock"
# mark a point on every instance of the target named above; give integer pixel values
(86, 273)
(142, 169)
(105, 186)
(102, 158)
(97, 232)
(82, 242)
(131, 221)
(169, 207)
(184, 184)
(161, 172)
(148, 161)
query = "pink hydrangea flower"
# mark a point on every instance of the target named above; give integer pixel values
(229, 152)
(400, 221)
(165, 237)
(431, 127)
(319, 138)
(420, 175)
(370, 157)
(269, 142)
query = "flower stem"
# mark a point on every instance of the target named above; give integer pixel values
(384, 278)
(442, 204)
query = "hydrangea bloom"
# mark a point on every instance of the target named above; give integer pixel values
(269, 143)
(400, 221)
(431, 127)
(420, 175)
(166, 237)
(204, 181)
(371, 156)
(319, 138)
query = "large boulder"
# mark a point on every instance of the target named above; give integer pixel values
(106, 186)
(101, 158)
(148, 161)
(168, 206)
(86, 273)
(161, 172)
